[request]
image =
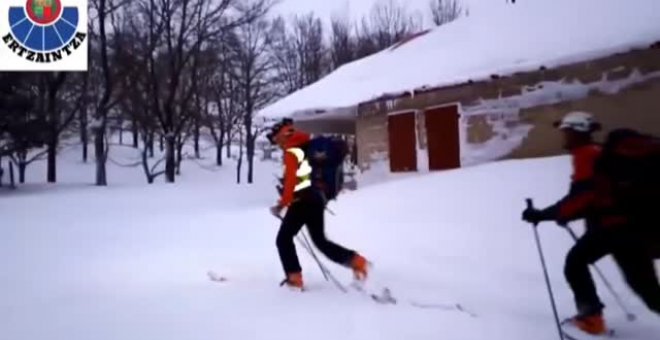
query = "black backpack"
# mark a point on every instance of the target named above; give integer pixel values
(629, 168)
(326, 156)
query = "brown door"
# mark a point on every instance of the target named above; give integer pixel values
(442, 138)
(403, 142)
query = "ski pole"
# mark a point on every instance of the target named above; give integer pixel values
(326, 272)
(545, 273)
(305, 243)
(629, 315)
(330, 211)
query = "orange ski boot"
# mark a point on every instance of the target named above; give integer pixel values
(359, 265)
(592, 324)
(293, 280)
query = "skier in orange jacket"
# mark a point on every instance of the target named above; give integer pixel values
(305, 205)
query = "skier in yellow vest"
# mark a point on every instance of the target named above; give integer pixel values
(305, 206)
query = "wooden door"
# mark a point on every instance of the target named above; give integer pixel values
(402, 142)
(442, 137)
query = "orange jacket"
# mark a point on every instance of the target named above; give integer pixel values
(291, 167)
(581, 194)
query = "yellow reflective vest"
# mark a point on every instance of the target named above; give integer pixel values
(304, 172)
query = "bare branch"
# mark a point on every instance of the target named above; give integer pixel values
(446, 11)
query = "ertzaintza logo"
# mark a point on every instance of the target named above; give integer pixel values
(43, 35)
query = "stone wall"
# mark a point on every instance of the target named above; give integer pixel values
(637, 107)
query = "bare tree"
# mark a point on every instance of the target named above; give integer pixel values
(252, 71)
(285, 59)
(83, 126)
(221, 113)
(391, 22)
(105, 78)
(388, 23)
(308, 34)
(140, 43)
(186, 26)
(63, 100)
(446, 11)
(299, 51)
(22, 124)
(342, 44)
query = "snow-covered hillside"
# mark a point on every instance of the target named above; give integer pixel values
(129, 261)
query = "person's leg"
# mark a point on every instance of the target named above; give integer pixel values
(315, 221)
(291, 223)
(638, 269)
(588, 249)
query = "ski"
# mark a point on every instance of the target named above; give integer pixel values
(447, 307)
(385, 296)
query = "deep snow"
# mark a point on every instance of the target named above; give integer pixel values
(500, 40)
(129, 262)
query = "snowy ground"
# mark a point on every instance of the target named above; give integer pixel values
(129, 262)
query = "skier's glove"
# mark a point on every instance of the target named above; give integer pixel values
(277, 211)
(535, 216)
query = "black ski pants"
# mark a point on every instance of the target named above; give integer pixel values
(630, 255)
(307, 210)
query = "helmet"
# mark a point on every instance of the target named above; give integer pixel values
(275, 129)
(579, 121)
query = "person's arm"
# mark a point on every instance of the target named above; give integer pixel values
(290, 169)
(571, 207)
(581, 195)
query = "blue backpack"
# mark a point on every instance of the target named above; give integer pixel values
(326, 156)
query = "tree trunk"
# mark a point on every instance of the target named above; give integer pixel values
(240, 158)
(150, 144)
(84, 139)
(21, 172)
(219, 144)
(54, 120)
(162, 143)
(12, 181)
(218, 154)
(85, 152)
(196, 136)
(121, 135)
(145, 167)
(2, 171)
(249, 140)
(170, 163)
(135, 135)
(228, 147)
(250, 155)
(52, 162)
(99, 151)
(179, 159)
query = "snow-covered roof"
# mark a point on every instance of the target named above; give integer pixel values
(507, 39)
